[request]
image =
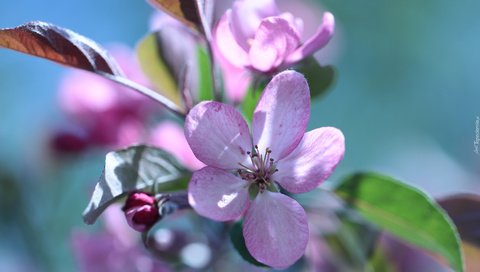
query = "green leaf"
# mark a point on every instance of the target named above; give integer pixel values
(319, 78)
(254, 93)
(205, 84)
(133, 169)
(405, 212)
(156, 67)
(353, 241)
(236, 236)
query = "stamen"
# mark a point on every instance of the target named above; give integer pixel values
(259, 172)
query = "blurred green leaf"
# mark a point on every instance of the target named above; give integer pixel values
(236, 236)
(352, 242)
(131, 169)
(320, 78)
(10, 196)
(156, 67)
(379, 261)
(254, 93)
(405, 212)
(205, 84)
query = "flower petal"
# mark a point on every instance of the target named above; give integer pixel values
(218, 135)
(274, 41)
(315, 43)
(218, 194)
(232, 62)
(170, 137)
(246, 17)
(281, 116)
(312, 161)
(275, 230)
(226, 44)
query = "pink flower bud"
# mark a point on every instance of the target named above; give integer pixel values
(141, 211)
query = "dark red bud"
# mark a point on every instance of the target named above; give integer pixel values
(141, 211)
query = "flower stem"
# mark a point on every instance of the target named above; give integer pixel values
(167, 103)
(216, 84)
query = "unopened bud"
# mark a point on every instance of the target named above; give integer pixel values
(141, 211)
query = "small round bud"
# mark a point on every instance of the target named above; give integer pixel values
(141, 211)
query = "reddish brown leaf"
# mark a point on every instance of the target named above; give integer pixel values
(194, 13)
(60, 45)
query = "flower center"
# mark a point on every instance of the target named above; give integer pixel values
(259, 174)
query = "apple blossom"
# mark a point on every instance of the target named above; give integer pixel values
(255, 35)
(243, 170)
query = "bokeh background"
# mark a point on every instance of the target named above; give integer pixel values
(406, 97)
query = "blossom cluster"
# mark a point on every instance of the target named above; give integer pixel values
(241, 168)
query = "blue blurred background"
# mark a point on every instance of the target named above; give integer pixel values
(406, 97)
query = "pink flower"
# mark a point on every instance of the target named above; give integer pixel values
(255, 35)
(170, 137)
(115, 248)
(243, 169)
(141, 211)
(109, 114)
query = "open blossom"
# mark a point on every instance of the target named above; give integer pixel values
(255, 35)
(243, 169)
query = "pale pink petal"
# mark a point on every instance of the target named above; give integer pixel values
(218, 135)
(127, 60)
(236, 82)
(115, 224)
(315, 43)
(296, 23)
(129, 132)
(218, 194)
(246, 16)
(160, 20)
(236, 78)
(281, 116)
(312, 161)
(83, 95)
(275, 230)
(274, 40)
(227, 45)
(170, 137)
(129, 98)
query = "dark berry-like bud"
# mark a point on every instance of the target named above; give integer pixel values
(141, 211)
